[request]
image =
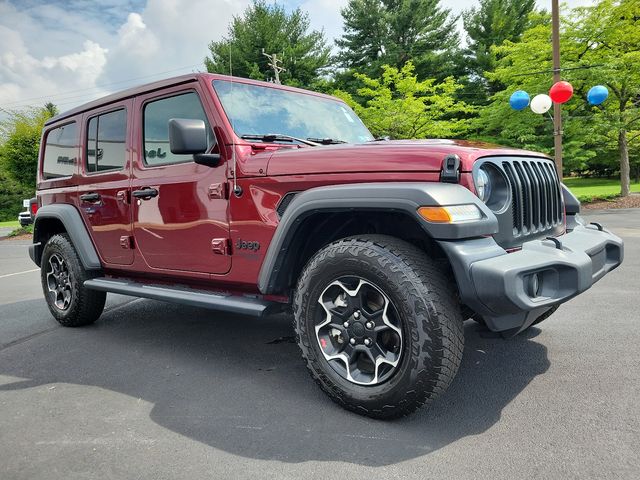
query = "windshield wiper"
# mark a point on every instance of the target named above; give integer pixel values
(278, 137)
(325, 141)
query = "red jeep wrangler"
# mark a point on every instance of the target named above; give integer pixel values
(250, 197)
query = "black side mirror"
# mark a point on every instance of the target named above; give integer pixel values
(188, 135)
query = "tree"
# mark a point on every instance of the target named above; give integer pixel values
(20, 142)
(526, 65)
(51, 109)
(606, 36)
(11, 196)
(490, 24)
(400, 106)
(265, 28)
(393, 32)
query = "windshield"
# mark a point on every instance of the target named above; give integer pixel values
(258, 110)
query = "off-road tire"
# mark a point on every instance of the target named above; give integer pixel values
(85, 305)
(425, 299)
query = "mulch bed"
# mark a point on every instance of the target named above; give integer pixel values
(632, 201)
(26, 236)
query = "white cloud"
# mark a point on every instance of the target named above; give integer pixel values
(74, 51)
(71, 55)
(167, 35)
(23, 76)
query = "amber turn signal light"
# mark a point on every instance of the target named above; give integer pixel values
(435, 214)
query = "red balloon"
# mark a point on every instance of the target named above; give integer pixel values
(561, 92)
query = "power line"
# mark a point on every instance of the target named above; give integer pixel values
(562, 69)
(61, 95)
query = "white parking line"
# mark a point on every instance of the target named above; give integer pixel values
(19, 273)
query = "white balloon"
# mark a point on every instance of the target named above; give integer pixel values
(541, 103)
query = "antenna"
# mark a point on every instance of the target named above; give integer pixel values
(237, 190)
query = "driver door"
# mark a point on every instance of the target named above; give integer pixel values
(180, 209)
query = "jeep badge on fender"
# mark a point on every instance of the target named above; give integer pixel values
(242, 245)
(379, 260)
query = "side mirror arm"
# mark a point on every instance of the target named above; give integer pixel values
(208, 159)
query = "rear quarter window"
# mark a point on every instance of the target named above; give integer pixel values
(60, 152)
(106, 142)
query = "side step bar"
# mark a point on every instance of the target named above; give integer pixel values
(196, 298)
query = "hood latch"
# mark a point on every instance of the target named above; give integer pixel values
(450, 171)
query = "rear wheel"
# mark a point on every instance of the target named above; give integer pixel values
(63, 277)
(378, 325)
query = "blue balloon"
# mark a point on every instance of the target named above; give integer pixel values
(519, 100)
(597, 94)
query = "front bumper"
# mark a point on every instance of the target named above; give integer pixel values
(511, 290)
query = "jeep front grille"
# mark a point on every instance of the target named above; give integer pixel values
(533, 205)
(536, 200)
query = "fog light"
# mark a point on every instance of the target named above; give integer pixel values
(534, 285)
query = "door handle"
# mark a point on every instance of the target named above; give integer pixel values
(90, 197)
(145, 193)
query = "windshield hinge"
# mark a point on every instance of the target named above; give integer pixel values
(218, 190)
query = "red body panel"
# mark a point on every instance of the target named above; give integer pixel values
(189, 232)
(109, 219)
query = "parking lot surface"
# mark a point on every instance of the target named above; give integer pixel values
(157, 391)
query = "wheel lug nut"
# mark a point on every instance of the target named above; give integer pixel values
(345, 324)
(367, 342)
(356, 314)
(352, 341)
(369, 325)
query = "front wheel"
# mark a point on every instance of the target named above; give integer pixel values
(378, 325)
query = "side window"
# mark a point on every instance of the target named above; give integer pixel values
(60, 152)
(156, 127)
(106, 146)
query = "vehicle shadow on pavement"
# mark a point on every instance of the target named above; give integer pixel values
(238, 384)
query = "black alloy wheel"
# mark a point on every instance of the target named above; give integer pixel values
(358, 331)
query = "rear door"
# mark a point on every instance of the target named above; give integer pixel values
(181, 224)
(104, 186)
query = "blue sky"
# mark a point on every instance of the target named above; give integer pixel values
(74, 51)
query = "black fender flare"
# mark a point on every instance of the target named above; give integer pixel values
(388, 196)
(70, 218)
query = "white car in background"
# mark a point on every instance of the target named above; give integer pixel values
(26, 218)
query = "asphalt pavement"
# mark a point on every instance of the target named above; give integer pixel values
(155, 391)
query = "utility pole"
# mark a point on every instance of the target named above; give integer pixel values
(273, 63)
(557, 111)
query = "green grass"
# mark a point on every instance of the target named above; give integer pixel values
(591, 189)
(10, 223)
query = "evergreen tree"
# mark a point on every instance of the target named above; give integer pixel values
(270, 29)
(490, 24)
(393, 32)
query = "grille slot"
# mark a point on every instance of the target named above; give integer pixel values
(536, 202)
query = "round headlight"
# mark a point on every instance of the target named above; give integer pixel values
(483, 185)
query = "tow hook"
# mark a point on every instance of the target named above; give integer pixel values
(557, 242)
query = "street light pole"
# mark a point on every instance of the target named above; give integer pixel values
(557, 112)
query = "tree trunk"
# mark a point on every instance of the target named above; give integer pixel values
(623, 149)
